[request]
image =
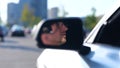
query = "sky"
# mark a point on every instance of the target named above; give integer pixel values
(79, 8)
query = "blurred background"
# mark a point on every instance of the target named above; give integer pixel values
(29, 12)
(18, 19)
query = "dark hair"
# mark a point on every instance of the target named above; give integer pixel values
(46, 28)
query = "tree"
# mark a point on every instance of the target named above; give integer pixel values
(28, 18)
(0, 21)
(63, 12)
(91, 20)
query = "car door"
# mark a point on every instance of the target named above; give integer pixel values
(104, 41)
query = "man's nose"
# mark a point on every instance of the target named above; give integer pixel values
(65, 28)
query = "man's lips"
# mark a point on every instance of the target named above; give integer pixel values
(63, 34)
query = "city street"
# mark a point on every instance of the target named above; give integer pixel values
(18, 52)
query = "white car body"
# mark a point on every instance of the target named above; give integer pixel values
(56, 58)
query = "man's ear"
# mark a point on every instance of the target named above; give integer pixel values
(44, 38)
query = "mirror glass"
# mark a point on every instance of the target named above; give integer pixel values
(60, 33)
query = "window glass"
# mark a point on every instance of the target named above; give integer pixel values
(110, 33)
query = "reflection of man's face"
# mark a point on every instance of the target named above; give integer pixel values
(58, 34)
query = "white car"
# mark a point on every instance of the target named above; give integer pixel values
(104, 41)
(17, 30)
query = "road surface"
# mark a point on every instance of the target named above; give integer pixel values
(19, 52)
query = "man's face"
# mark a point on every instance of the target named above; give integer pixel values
(57, 35)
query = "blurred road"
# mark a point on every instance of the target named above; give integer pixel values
(19, 52)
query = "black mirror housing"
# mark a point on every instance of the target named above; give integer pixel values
(74, 35)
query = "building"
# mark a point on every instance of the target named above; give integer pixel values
(53, 13)
(15, 10)
(12, 13)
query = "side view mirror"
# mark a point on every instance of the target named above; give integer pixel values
(64, 33)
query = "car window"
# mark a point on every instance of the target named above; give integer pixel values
(110, 33)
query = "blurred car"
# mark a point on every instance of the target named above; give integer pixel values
(33, 30)
(17, 30)
(2, 33)
(27, 30)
